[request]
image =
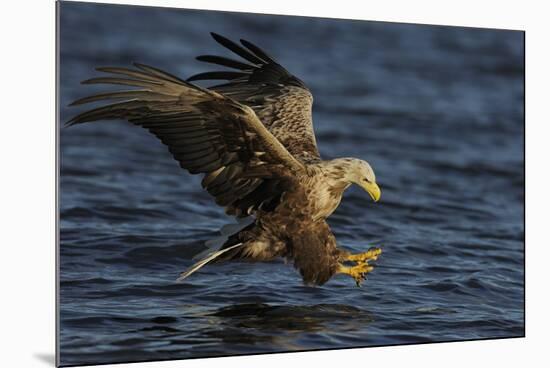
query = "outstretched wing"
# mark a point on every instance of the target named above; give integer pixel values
(244, 164)
(281, 101)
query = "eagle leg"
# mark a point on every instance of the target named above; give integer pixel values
(358, 272)
(370, 255)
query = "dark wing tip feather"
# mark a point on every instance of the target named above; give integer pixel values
(155, 72)
(221, 75)
(239, 50)
(257, 51)
(223, 61)
(217, 37)
(146, 67)
(68, 123)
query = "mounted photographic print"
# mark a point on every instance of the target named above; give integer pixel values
(235, 183)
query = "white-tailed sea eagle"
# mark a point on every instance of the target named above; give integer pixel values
(252, 139)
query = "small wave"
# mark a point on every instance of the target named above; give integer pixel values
(434, 310)
(441, 286)
(143, 291)
(164, 319)
(85, 282)
(113, 213)
(156, 256)
(94, 321)
(79, 172)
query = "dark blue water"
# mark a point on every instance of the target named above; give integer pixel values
(437, 111)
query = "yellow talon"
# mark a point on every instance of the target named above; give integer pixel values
(371, 254)
(362, 267)
(358, 272)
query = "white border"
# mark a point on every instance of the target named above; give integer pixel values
(28, 181)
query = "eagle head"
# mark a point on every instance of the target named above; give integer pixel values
(361, 173)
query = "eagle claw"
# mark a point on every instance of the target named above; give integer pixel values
(358, 272)
(370, 255)
(362, 268)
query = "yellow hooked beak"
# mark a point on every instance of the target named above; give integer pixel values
(373, 189)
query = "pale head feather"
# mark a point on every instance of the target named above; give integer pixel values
(353, 170)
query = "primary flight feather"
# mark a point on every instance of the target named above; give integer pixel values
(252, 139)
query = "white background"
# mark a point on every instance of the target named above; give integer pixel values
(27, 202)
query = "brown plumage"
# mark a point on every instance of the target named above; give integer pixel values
(252, 139)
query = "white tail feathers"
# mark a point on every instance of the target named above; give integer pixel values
(204, 261)
(226, 231)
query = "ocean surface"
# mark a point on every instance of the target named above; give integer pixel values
(437, 111)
